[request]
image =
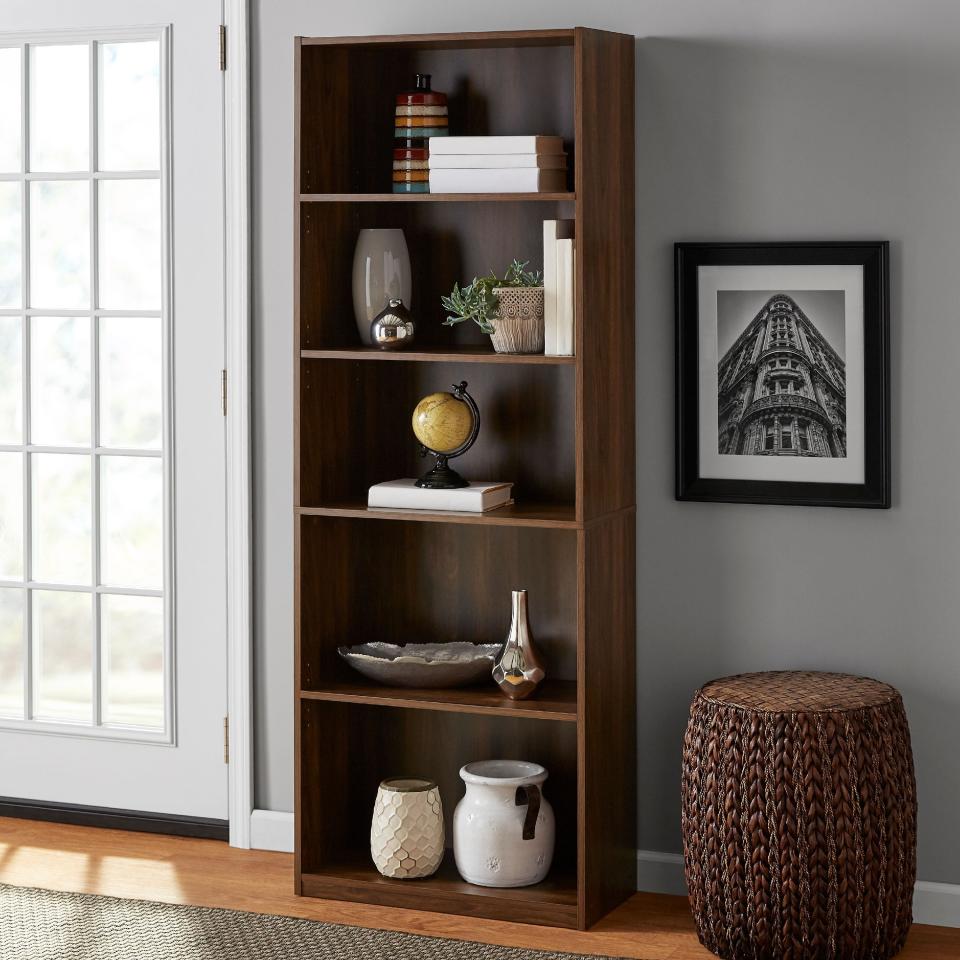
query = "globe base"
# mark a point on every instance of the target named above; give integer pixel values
(442, 477)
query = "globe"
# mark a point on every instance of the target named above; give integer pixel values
(442, 423)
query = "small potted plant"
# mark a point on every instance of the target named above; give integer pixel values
(508, 308)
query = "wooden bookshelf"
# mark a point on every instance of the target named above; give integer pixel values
(561, 428)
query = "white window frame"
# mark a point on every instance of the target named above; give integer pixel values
(94, 728)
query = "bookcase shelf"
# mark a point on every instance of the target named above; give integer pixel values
(556, 700)
(552, 902)
(560, 428)
(437, 355)
(525, 514)
(566, 196)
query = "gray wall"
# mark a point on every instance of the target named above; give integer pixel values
(755, 120)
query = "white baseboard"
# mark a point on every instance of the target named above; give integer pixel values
(933, 903)
(271, 830)
(660, 872)
(936, 903)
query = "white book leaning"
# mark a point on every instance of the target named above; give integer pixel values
(496, 145)
(566, 281)
(553, 230)
(406, 495)
(502, 180)
(497, 161)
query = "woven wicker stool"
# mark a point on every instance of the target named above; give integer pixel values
(799, 817)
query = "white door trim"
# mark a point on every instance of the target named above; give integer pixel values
(236, 151)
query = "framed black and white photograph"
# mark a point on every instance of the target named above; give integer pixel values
(783, 373)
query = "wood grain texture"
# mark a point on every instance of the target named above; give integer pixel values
(208, 873)
(355, 422)
(607, 734)
(471, 354)
(400, 582)
(448, 243)
(492, 88)
(352, 748)
(605, 270)
(528, 513)
(561, 429)
(554, 699)
(435, 197)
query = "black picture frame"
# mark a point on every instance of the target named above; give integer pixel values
(873, 257)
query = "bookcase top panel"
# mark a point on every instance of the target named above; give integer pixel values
(453, 41)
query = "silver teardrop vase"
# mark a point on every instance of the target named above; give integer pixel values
(518, 670)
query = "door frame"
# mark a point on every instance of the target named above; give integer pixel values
(235, 53)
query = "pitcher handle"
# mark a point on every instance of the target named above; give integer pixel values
(531, 797)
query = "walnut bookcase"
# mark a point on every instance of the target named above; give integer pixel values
(561, 428)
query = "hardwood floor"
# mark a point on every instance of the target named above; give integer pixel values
(209, 873)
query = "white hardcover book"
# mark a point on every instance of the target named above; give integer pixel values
(553, 230)
(565, 304)
(503, 180)
(496, 145)
(478, 497)
(458, 161)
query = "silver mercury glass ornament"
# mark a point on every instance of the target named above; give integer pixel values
(392, 328)
(518, 671)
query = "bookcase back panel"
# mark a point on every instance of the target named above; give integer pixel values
(355, 427)
(347, 103)
(448, 243)
(349, 749)
(401, 582)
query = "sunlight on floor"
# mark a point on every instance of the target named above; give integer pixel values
(25, 865)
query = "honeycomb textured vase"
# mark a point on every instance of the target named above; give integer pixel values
(406, 835)
(799, 817)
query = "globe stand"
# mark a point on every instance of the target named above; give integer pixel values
(442, 476)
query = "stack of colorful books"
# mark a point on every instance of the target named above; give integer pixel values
(498, 165)
(421, 114)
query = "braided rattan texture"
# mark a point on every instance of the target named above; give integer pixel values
(799, 823)
(794, 690)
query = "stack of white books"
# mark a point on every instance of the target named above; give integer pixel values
(559, 279)
(497, 165)
(404, 494)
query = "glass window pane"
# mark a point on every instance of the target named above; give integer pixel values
(61, 518)
(131, 392)
(60, 381)
(10, 129)
(132, 632)
(131, 517)
(11, 653)
(129, 244)
(130, 106)
(11, 237)
(11, 384)
(59, 108)
(60, 244)
(11, 516)
(62, 643)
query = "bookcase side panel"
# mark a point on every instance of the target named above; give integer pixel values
(607, 732)
(605, 270)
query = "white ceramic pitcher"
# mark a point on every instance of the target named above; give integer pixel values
(503, 828)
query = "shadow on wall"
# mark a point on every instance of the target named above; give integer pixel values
(776, 143)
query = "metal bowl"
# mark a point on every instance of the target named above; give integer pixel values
(423, 664)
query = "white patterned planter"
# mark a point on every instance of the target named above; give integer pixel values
(406, 834)
(503, 828)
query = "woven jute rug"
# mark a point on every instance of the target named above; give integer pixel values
(47, 925)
